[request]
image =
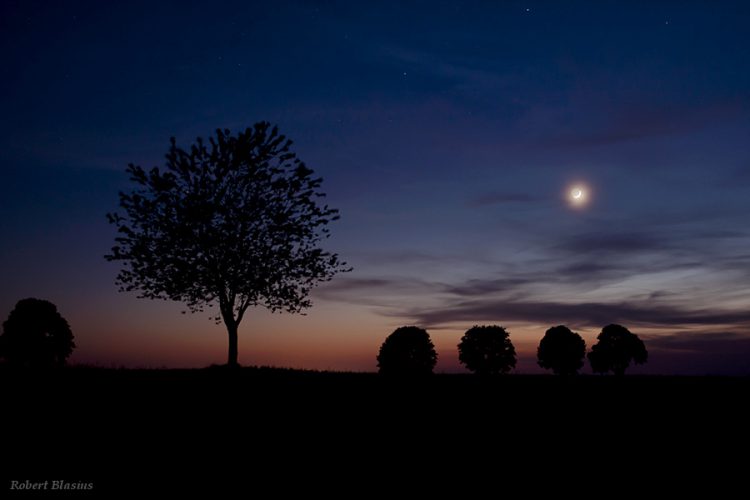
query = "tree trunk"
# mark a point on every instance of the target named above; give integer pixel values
(232, 357)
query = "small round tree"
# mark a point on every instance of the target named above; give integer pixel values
(36, 335)
(487, 350)
(408, 351)
(616, 349)
(561, 350)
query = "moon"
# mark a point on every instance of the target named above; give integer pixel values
(578, 195)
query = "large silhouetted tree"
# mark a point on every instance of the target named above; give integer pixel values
(36, 335)
(616, 349)
(561, 350)
(408, 351)
(487, 350)
(236, 222)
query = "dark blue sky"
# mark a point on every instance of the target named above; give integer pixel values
(448, 133)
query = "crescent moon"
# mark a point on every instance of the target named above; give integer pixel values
(577, 194)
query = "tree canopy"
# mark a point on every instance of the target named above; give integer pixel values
(487, 350)
(561, 350)
(408, 351)
(36, 335)
(237, 222)
(616, 348)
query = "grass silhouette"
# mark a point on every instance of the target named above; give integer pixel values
(159, 430)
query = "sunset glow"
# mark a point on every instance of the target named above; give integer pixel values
(566, 163)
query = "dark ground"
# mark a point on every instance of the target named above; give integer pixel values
(294, 433)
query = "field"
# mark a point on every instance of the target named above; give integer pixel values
(301, 432)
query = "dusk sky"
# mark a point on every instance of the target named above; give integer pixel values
(449, 135)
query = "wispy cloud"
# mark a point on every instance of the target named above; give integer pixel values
(700, 352)
(484, 287)
(696, 341)
(497, 198)
(614, 242)
(458, 72)
(377, 292)
(590, 314)
(587, 120)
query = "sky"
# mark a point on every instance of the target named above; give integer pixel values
(449, 135)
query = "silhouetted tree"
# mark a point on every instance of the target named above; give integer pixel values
(616, 349)
(487, 350)
(561, 350)
(235, 222)
(408, 351)
(36, 335)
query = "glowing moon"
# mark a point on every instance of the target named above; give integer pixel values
(578, 195)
